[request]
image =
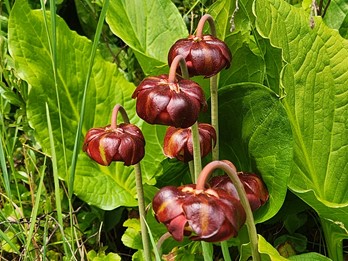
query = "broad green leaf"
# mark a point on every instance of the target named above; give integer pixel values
(256, 136)
(106, 187)
(253, 58)
(315, 81)
(268, 252)
(149, 27)
(336, 16)
(246, 66)
(309, 256)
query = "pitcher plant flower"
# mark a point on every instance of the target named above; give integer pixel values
(210, 215)
(204, 54)
(254, 187)
(169, 100)
(178, 142)
(124, 142)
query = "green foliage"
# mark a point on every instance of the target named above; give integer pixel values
(150, 28)
(248, 112)
(101, 256)
(282, 111)
(314, 79)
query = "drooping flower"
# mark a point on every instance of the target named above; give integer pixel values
(178, 142)
(206, 55)
(211, 215)
(123, 143)
(254, 187)
(174, 103)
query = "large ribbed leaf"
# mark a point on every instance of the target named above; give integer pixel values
(315, 81)
(106, 187)
(256, 136)
(149, 27)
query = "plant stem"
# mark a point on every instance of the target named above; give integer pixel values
(200, 26)
(214, 108)
(196, 151)
(83, 106)
(178, 60)
(138, 183)
(142, 213)
(214, 114)
(333, 239)
(230, 171)
(118, 108)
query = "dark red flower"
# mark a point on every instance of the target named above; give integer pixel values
(210, 215)
(204, 56)
(178, 142)
(175, 104)
(255, 189)
(124, 143)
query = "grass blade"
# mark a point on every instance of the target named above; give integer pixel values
(8, 241)
(56, 183)
(4, 169)
(157, 256)
(35, 207)
(83, 106)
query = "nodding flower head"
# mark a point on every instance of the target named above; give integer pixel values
(211, 215)
(254, 187)
(177, 103)
(178, 142)
(206, 55)
(124, 143)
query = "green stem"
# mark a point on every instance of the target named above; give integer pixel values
(196, 151)
(214, 114)
(225, 251)
(333, 239)
(178, 60)
(214, 108)
(206, 247)
(231, 172)
(83, 106)
(118, 108)
(142, 213)
(138, 184)
(200, 26)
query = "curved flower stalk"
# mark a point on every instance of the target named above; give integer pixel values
(178, 142)
(204, 54)
(254, 187)
(124, 142)
(231, 172)
(211, 215)
(169, 99)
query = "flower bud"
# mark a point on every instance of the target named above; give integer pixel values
(255, 189)
(124, 143)
(204, 56)
(177, 103)
(210, 215)
(178, 142)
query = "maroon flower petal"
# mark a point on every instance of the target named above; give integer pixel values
(176, 227)
(206, 56)
(124, 143)
(167, 204)
(175, 144)
(204, 215)
(175, 104)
